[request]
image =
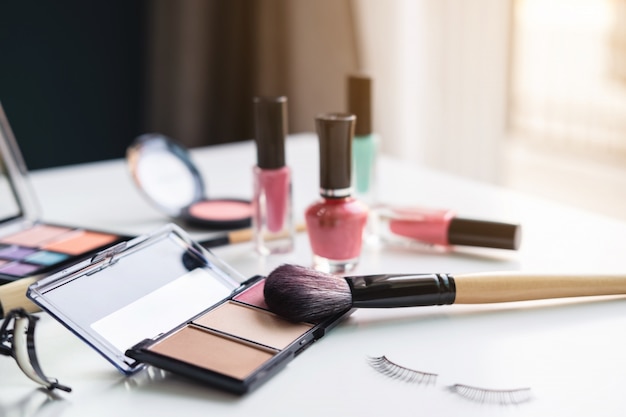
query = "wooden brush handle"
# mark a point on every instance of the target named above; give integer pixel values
(496, 287)
(13, 295)
(245, 235)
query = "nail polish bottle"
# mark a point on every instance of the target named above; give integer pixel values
(365, 142)
(272, 216)
(335, 224)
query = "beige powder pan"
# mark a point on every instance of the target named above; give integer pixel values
(253, 324)
(212, 352)
(233, 339)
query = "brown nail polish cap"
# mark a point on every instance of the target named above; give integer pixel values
(360, 103)
(335, 132)
(270, 131)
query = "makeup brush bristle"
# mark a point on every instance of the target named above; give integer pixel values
(305, 295)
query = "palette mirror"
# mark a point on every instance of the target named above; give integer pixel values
(9, 207)
(28, 246)
(135, 297)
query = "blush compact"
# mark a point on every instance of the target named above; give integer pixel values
(165, 174)
(165, 301)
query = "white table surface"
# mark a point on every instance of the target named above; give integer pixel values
(569, 352)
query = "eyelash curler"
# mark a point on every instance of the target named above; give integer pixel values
(18, 342)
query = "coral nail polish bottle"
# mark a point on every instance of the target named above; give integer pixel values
(272, 217)
(335, 224)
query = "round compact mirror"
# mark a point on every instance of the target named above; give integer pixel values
(166, 176)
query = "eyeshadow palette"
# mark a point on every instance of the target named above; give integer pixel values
(29, 247)
(163, 300)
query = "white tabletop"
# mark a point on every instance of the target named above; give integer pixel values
(569, 352)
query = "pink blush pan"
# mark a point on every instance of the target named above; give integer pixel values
(253, 296)
(219, 213)
(221, 209)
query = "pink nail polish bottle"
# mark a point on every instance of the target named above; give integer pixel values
(335, 223)
(272, 217)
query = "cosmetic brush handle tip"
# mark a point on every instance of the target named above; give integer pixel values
(13, 295)
(496, 287)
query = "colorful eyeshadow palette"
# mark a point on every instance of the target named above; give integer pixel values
(44, 248)
(165, 301)
(29, 247)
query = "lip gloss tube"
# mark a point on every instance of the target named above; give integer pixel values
(272, 202)
(441, 228)
(335, 224)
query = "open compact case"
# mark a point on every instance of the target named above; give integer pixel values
(165, 174)
(28, 246)
(163, 300)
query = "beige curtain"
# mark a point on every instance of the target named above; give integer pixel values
(207, 59)
(440, 70)
(617, 40)
(441, 80)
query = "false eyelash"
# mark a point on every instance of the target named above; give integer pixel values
(476, 394)
(493, 396)
(393, 370)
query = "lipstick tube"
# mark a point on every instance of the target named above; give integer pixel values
(441, 228)
(272, 203)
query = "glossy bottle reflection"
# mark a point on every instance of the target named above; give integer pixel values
(335, 223)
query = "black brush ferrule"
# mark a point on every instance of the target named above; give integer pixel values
(410, 290)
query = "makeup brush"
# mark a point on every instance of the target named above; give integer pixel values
(303, 294)
(238, 236)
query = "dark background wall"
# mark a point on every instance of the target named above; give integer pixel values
(71, 79)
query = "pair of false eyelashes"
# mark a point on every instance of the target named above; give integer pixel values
(473, 393)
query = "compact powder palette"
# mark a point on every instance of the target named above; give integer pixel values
(163, 300)
(29, 247)
(164, 173)
(241, 337)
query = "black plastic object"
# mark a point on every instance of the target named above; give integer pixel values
(409, 290)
